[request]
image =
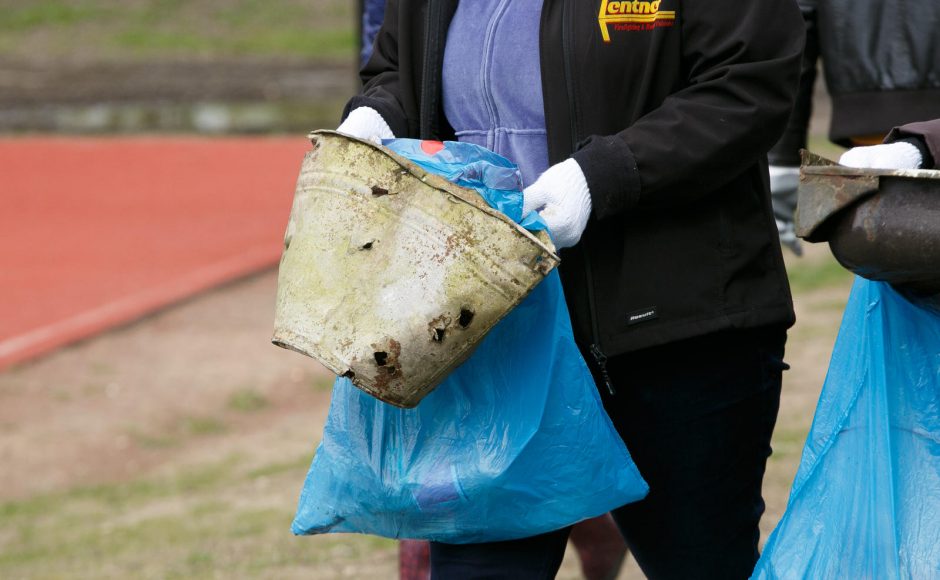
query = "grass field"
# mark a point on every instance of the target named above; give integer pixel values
(104, 30)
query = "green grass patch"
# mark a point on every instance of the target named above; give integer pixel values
(322, 384)
(788, 443)
(247, 401)
(104, 30)
(202, 426)
(297, 466)
(147, 42)
(27, 16)
(810, 275)
(208, 521)
(90, 501)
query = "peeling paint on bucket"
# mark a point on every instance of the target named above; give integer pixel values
(391, 275)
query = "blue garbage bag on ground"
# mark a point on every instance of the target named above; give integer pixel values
(866, 499)
(515, 442)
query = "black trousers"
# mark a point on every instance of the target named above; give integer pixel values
(697, 417)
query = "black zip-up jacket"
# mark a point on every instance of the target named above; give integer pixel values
(669, 108)
(882, 66)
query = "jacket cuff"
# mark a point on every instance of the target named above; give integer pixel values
(926, 159)
(393, 117)
(611, 173)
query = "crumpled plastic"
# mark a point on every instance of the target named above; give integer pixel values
(865, 502)
(514, 443)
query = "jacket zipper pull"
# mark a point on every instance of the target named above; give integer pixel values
(601, 360)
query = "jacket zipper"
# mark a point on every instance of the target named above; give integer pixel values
(569, 76)
(489, 100)
(599, 357)
(426, 116)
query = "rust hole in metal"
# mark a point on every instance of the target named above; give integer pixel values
(379, 191)
(367, 245)
(438, 327)
(391, 370)
(380, 358)
(466, 317)
(349, 375)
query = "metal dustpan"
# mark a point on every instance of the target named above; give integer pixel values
(391, 275)
(882, 224)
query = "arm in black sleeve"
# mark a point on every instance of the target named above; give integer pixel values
(380, 76)
(787, 150)
(743, 62)
(924, 135)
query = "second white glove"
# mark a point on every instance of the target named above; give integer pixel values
(562, 198)
(898, 155)
(366, 123)
(784, 181)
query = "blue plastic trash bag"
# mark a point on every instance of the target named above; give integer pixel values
(866, 499)
(513, 443)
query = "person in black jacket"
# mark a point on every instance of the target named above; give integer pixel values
(601, 550)
(641, 129)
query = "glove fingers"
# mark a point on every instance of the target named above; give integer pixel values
(857, 157)
(366, 123)
(558, 227)
(898, 155)
(533, 198)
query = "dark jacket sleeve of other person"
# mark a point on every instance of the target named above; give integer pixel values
(671, 124)
(924, 135)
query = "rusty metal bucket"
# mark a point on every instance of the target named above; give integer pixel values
(391, 275)
(880, 224)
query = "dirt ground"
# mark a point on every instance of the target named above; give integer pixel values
(132, 437)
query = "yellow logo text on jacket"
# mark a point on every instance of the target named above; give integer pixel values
(633, 16)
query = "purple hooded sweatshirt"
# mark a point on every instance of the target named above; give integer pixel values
(493, 81)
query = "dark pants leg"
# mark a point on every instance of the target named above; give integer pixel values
(697, 417)
(535, 558)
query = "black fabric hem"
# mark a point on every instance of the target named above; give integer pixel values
(781, 315)
(926, 133)
(926, 159)
(611, 173)
(876, 112)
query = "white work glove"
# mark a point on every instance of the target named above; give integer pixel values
(784, 181)
(562, 198)
(366, 123)
(898, 155)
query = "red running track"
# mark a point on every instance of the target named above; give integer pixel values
(97, 232)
